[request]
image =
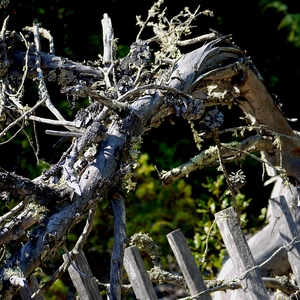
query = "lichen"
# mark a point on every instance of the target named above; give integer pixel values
(145, 243)
(15, 271)
(37, 210)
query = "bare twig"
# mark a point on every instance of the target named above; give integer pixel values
(14, 135)
(43, 91)
(3, 29)
(28, 112)
(140, 89)
(35, 151)
(2, 37)
(18, 93)
(223, 168)
(199, 39)
(12, 212)
(64, 133)
(210, 156)
(114, 105)
(52, 122)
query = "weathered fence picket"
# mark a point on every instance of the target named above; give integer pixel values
(138, 276)
(240, 254)
(187, 265)
(288, 232)
(86, 287)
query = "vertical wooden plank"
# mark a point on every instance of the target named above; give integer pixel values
(285, 223)
(138, 275)
(187, 264)
(86, 287)
(241, 255)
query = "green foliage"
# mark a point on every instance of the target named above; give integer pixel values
(60, 290)
(290, 21)
(168, 152)
(207, 246)
(122, 50)
(157, 211)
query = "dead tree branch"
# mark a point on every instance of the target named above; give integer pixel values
(121, 110)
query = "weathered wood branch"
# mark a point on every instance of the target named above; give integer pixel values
(256, 101)
(141, 108)
(209, 157)
(67, 70)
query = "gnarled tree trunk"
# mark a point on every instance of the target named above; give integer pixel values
(218, 73)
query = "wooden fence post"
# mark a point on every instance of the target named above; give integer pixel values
(187, 264)
(288, 232)
(86, 287)
(138, 275)
(241, 255)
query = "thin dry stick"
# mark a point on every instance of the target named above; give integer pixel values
(13, 211)
(206, 242)
(12, 137)
(4, 27)
(52, 122)
(118, 105)
(18, 93)
(114, 105)
(4, 131)
(31, 145)
(199, 39)
(64, 133)
(2, 36)
(43, 91)
(143, 88)
(46, 34)
(222, 165)
(154, 10)
(75, 267)
(36, 141)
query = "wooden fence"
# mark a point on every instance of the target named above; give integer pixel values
(237, 247)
